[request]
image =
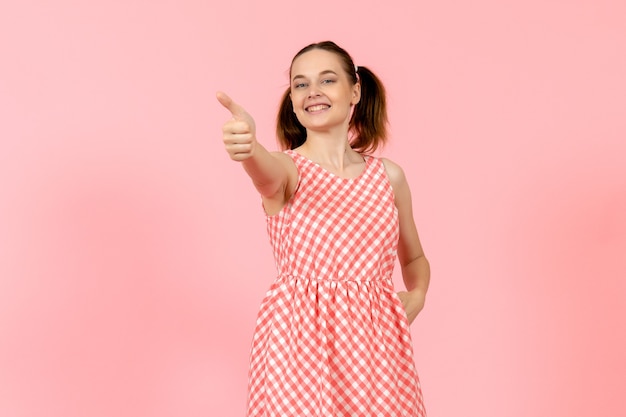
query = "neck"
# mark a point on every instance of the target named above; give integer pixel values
(332, 152)
(326, 149)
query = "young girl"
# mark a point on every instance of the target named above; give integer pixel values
(332, 336)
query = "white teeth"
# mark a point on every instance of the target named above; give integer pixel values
(318, 107)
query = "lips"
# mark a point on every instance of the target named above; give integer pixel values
(317, 107)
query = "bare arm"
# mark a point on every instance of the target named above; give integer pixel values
(415, 266)
(273, 173)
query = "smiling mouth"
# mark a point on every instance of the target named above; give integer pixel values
(317, 107)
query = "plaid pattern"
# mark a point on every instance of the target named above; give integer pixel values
(332, 338)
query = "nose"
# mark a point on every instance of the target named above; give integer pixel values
(313, 91)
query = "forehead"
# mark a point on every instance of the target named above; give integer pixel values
(315, 61)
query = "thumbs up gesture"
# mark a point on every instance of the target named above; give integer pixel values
(239, 133)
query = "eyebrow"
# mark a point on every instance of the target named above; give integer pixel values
(321, 73)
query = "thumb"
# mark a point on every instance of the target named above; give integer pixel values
(235, 109)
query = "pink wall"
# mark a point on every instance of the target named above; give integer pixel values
(133, 253)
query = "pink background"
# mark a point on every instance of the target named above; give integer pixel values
(133, 253)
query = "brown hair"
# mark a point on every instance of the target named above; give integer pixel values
(368, 124)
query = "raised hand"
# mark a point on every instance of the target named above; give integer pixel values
(239, 133)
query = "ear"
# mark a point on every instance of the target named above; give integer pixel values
(356, 93)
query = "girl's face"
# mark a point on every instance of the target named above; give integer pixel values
(321, 92)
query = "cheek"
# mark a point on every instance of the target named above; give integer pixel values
(296, 102)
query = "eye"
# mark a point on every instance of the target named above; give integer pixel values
(299, 85)
(328, 81)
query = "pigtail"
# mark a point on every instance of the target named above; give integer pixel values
(289, 131)
(369, 119)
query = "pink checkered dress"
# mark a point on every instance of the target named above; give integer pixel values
(332, 338)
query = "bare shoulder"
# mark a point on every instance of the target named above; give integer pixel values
(395, 173)
(283, 157)
(290, 167)
(285, 160)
